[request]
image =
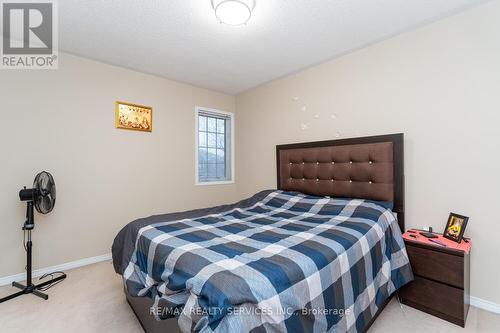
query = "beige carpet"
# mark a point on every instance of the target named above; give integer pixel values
(91, 300)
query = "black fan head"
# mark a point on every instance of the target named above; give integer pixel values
(46, 187)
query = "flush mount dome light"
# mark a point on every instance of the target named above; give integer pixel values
(233, 12)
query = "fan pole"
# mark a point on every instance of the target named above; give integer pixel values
(28, 226)
(30, 288)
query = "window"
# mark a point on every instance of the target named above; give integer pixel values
(214, 143)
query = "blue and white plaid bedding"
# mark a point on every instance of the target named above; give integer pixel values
(289, 263)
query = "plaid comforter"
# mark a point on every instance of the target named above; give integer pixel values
(289, 263)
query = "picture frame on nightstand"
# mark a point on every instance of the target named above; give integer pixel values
(455, 227)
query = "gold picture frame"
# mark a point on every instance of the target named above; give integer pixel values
(133, 117)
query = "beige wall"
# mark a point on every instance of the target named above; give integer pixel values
(63, 121)
(440, 85)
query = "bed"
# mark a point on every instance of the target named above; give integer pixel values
(323, 252)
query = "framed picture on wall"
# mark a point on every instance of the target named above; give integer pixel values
(134, 117)
(455, 227)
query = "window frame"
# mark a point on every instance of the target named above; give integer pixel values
(230, 115)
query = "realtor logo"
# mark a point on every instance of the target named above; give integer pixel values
(29, 35)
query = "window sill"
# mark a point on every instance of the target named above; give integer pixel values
(223, 182)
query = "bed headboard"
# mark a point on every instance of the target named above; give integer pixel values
(367, 168)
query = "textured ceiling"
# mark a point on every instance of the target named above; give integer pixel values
(182, 40)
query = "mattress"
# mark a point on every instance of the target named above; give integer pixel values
(276, 262)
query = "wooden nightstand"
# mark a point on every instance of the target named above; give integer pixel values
(442, 280)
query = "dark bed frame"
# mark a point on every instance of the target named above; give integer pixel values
(355, 168)
(365, 152)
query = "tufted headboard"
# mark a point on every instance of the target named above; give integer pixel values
(367, 168)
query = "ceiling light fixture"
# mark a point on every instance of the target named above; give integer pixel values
(233, 12)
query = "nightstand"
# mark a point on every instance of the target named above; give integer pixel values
(442, 280)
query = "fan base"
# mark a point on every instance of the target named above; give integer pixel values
(32, 289)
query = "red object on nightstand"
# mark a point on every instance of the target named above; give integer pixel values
(464, 245)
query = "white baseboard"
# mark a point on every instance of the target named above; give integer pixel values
(69, 265)
(485, 305)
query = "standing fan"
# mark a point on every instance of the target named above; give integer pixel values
(42, 197)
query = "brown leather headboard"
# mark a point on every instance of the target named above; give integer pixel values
(366, 168)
